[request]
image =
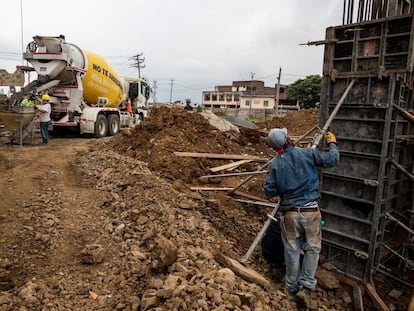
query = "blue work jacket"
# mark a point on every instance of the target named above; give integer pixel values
(293, 175)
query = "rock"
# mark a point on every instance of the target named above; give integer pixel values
(187, 205)
(226, 277)
(394, 293)
(165, 253)
(346, 298)
(119, 230)
(141, 220)
(92, 254)
(5, 298)
(28, 294)
(93, 295)
(156, 283)
(6, 281)
(149, 300)
(135, 251)
(326, 279)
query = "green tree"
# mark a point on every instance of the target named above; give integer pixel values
(306, 92)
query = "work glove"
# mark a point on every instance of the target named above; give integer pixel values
(330, 138)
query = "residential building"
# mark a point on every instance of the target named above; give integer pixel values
(248, 98)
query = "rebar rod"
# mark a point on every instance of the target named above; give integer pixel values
(390, 217)
(333, 114)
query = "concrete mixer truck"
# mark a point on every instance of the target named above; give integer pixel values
(86, 93)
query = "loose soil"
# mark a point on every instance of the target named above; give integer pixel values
(112, 224)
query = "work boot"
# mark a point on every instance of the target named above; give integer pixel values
(303, 297)
(291, 296)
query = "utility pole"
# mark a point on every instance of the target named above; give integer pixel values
(138, 62)
(21, 28)
(251, 93)
(154, 92)
(171, 85)
(278, 92)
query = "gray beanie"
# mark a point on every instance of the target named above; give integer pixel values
(277, 138)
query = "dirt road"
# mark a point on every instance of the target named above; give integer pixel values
(46, 217)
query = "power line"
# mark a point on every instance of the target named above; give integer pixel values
(11, 53)
(21, 27)
(138, 62)
(9, 58)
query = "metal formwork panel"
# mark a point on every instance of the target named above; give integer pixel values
(365, 187)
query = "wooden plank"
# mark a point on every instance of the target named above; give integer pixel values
(245, 273)
(230, 165)
(375, 297)
(211, 188)
(236, 166)
(219, 156)
(344, 279)
(411, 304)
(253, 197)
(358, 299)
(234, 174)
(246, 195)
(255, 202)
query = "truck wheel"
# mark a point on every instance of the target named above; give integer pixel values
(113, 125)
(101, 126)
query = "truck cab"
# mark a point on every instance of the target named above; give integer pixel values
(138, 91)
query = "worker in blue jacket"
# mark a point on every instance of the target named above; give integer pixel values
(293, 176)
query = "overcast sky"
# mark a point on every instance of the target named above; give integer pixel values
(197, 44)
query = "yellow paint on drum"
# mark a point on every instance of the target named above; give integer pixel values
(101, 80)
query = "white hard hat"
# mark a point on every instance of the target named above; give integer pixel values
(277, 137)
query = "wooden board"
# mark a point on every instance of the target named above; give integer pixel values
(219, 156)
(246, 195)
(253, 197)
(211, 188)
(229, 166)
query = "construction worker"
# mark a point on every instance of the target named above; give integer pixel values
(293, 177)
(188, 107)
(29, 101)
(44, 115)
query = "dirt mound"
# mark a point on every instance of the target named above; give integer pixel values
(297, 123)
(166, 130)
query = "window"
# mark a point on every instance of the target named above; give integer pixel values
(221, 97)
(207, 96)
(229, 97)
(236, 97)
(248, 103)
(251, 90)
(214, 97)
(266, 103)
